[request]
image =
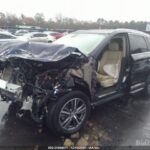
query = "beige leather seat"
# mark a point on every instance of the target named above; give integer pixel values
(109, 65)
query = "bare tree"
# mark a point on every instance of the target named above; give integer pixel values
(61, 22)
(39, 19)
(2, 19)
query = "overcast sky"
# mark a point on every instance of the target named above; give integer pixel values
(122, 10)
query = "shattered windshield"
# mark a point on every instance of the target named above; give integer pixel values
(85, 42)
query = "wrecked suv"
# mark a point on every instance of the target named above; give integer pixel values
(59, 83)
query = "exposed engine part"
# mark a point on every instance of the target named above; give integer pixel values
(77, 73)
(7, 73)
(34, 84)
(27, 104)
(12, 91)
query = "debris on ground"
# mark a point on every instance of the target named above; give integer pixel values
(94, 143)
(101, 134)
(82, 142)
(95, 137)
(68, 143)
(75, 135)
(86, 136)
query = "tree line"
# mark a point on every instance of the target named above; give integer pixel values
(61, 22)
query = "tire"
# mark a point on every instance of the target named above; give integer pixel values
(147, 87)
(62, 120)
(13, 108)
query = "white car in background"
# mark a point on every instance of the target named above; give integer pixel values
(8, 37)
(21, 32)
(39, 37)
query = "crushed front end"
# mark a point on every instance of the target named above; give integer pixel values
(32, 84)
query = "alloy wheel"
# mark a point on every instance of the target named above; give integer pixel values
(72, 114)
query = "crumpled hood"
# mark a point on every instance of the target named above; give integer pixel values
(36, 51)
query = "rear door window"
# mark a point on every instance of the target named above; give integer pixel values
(137, 44)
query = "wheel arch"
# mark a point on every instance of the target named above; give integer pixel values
(83, 87)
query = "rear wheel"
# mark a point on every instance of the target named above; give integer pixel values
(69, 114)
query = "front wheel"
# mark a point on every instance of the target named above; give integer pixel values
(69, 114)
(14, 108)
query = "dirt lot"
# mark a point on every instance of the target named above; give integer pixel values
(111, 125)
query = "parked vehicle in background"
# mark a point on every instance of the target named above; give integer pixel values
(7, 35)
(21, 32)
(56, 35)
(62, 81)
(11, 30)
(39, 37)
(7, 41)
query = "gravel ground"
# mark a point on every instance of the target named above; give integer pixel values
(110, 125)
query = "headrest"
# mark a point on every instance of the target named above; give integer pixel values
(114, 46)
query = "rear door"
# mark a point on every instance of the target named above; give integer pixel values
(140, 62)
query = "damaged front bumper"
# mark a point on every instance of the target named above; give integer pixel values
(10, 91)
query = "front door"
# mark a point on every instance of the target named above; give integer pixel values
(110, 70)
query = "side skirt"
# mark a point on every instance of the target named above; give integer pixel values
(137, 88)
(106, 98)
